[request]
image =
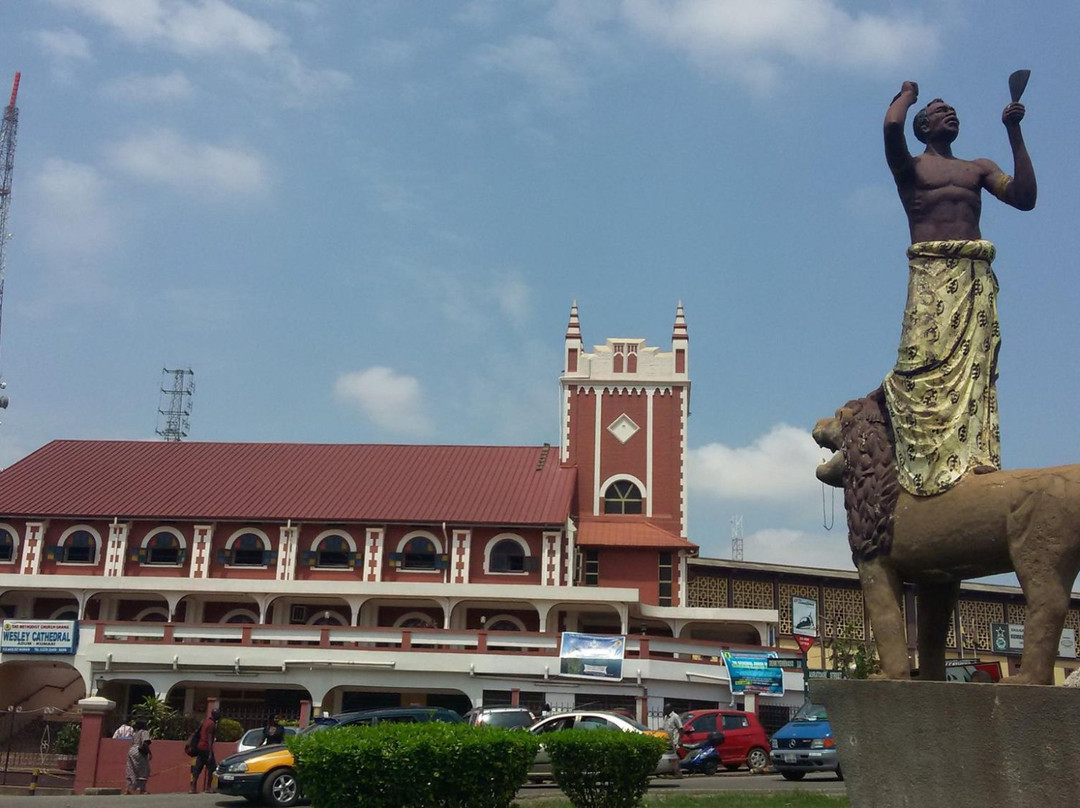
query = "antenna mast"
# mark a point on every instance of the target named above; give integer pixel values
(736, 538)
(175, 404)
(8, 137)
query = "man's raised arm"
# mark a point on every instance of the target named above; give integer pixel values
(896, 150)
(1020, 190)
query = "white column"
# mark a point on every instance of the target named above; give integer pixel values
(33, 547)
(201, 542)
(286, 559)
(116, 549)
(373, 554)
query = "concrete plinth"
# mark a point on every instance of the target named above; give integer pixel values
(957, 744)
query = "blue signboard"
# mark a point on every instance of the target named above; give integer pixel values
(40, 637)
(750, 673)
(591, 656)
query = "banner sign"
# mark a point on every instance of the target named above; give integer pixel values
(591, 656)
(750, 673)
(40, 637)
(804, 617)
(972, 670)
(1008, 638)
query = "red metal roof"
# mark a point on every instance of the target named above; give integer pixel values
(627, 531)
(498, 485)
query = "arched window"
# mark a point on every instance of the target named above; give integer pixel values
(416, 620)
(622, 496)
(419, 552)
(247, 550)
(7, 546)
(80, 547)
(162, 549)
(240, 616)
(507, 555)
(152, 615)
(504, 622)
(333, 552)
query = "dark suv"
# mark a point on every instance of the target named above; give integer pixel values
(508, 717)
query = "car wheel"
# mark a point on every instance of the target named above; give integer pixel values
(793, 775)
(280, 789)
(757, 758)
(709, 769)
(839, 774)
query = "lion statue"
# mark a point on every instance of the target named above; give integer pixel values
(1025, 521)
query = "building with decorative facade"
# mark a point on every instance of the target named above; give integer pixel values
(270, 576)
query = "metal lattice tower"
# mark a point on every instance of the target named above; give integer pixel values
(736, 538)
(175, 405)
(8, 137)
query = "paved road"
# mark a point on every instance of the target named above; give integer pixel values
(731, 782)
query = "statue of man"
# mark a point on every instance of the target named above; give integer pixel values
(941, 392)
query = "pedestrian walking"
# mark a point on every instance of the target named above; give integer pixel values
(137, 768)
(204, 751)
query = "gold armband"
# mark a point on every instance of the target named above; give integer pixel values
(1002, 185)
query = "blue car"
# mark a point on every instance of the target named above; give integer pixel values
(805, 744)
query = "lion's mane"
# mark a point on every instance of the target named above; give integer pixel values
(871, 487)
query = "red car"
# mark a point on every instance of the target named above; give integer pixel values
(745, 742)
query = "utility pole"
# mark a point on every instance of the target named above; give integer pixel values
(8, 137)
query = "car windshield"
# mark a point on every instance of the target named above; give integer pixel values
(632, 722)
(811, 712)
(513, 718)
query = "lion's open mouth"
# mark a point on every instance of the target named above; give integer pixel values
(831, 471)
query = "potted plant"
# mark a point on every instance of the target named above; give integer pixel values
(67, 745)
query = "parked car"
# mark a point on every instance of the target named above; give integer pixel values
(745, 741)
(253, 738)
(579, 719)
(267, 774)
(805, 744)
(508, 717)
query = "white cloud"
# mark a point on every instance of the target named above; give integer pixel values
(203, 168)
(65, 45)
(541, 62)
(758, 39)
(390, 400)
(69, 210)
(190, 28)
(163, 88)
(777, 467)
(513, 296)
(798, 548)
(213, 28)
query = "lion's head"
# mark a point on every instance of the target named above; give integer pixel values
(864, 465)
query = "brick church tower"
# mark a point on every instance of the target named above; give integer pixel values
(625, 406)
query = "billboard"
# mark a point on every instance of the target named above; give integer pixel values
(750, 673)
(40, 637)
(1008, 638)
(591, 656)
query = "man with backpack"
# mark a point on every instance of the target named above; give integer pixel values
(202, 749)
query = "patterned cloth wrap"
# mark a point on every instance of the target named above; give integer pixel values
(941, 393)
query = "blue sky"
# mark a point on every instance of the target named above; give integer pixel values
(366, 221)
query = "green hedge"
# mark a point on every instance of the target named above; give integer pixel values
(601, 768)
(434, 765)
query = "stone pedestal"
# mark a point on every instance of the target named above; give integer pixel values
(910, 744)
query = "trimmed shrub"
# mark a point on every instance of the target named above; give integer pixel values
(436, 765)
(601, 768)
(67, 739)
(229, 730)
